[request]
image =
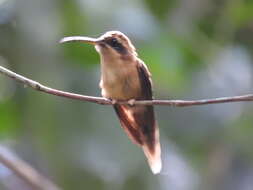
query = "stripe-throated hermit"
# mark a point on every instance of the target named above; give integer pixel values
(124, 76)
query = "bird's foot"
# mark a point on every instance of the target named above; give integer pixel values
(131, 102)
(114, 101)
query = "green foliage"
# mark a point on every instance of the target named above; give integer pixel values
(160, 8)
(8, 119)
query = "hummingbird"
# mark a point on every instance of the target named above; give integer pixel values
(125, 77)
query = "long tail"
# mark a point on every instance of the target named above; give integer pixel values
(140, 125)
(154, 155)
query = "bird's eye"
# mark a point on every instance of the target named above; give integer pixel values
(114, 43)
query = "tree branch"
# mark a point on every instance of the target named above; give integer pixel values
(25, 171)
(99, 100)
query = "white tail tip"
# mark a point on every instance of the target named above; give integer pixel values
(154, 160)
(156, 167)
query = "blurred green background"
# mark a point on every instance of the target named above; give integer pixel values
(194, 48)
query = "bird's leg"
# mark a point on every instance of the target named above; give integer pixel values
(131, 102)
(114, 101)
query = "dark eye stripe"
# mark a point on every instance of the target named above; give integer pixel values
(113, 42)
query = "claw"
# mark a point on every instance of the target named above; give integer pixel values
(114, 101)
(131, 102)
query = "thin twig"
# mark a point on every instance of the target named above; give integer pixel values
(25, 171)
(99, 100)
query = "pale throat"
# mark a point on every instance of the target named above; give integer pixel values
(119, 77)
(98, 48)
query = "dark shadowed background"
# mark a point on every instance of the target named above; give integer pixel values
(194, 48)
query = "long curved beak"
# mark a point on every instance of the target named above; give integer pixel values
(84, 39)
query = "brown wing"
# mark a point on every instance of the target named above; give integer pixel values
(145, 81)
(139, 121)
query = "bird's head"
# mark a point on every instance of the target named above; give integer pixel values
(111, 44)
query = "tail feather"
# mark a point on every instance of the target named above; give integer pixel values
(140, 126)
(153, 153)
(154, 159)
